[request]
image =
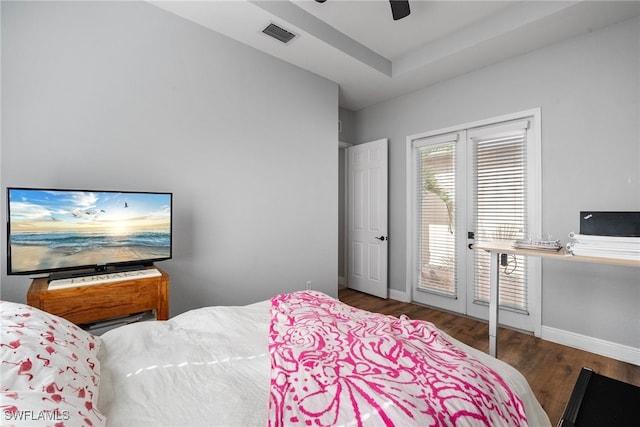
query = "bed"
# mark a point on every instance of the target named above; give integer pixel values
(298, 359)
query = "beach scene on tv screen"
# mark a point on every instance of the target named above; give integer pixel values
(63, 229)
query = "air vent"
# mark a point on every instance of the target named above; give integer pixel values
(278, 33)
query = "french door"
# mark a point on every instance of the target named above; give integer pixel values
(475, 182)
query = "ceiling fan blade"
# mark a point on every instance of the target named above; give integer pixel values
(399, 9)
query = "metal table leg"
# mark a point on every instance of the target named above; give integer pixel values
(494, 286)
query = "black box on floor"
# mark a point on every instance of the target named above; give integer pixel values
(599, 401)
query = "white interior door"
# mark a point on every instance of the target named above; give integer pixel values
(367, 218)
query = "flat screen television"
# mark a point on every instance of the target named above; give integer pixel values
(75, 232)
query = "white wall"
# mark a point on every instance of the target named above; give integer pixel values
(125, 96)
(588, 91)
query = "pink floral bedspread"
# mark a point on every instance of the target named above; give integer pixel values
(332, 364)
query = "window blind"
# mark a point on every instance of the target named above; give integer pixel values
(499, 175)
(436, 214)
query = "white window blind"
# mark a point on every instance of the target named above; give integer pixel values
(500, 203)
(436, 212)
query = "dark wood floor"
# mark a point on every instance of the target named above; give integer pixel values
(551, 369)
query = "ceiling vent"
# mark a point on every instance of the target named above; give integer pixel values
(278, 33)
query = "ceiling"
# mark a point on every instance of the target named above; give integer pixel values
(358, 45)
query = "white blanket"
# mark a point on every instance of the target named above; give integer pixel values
(210, 367)
(207, 367)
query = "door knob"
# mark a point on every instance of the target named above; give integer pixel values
(382, 238)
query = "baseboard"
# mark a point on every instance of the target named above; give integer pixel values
(399, 295)
(613, 350)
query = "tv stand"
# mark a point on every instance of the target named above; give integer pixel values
(89, 304)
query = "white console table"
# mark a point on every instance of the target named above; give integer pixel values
(499, 247)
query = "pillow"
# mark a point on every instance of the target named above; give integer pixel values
(50, 370)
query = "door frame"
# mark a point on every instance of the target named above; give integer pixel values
(343, 275)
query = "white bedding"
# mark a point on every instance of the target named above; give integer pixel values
(206, 367)
(210, 367)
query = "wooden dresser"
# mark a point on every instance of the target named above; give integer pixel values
(93, 303)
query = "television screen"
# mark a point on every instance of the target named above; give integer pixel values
(53, 230)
